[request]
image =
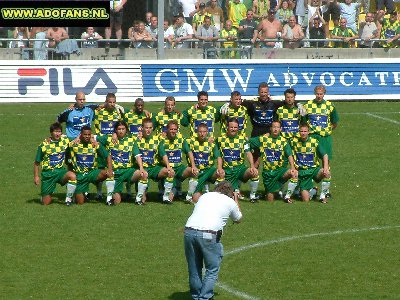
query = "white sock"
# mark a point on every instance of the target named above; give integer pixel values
(167, 188)
(253, 186)
(192, 186)
(110, 189)
(70, 192)
(141, 190)
(312, 192)
(324, 189)
(290, 189)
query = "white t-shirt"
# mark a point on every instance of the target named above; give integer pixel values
(185, 30)
(212, 211)
(188, 6)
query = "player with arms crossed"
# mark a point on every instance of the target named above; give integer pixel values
(322, 118)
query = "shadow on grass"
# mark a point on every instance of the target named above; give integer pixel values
(59, 198)
(184, 295)
(180, 296)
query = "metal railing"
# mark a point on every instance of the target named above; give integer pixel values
(242, 46)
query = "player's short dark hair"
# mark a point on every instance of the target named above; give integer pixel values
(276, 121)
(225, 188)
(121, 123)
(262, 85)
(172, 122)
(289, 91)
(86, 127)
(235, 93)
(202, 125)
(304, 124)
(202, 93)
(55, 126)
(147, 120)
(232, 119)
(139, 100)
(110, 95)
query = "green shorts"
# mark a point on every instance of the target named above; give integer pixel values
(101, 162)
(234, 174)
(306, 178)
(179, 171)
(205, 176)
(273, 179)
(49, 180)
(326, 143)
(84, 179)
(153, 172)
(121, 176)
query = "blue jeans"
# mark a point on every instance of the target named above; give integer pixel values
(201, 247)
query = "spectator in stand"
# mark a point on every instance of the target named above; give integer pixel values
(349, 11)
(20, 33)
(260, 9)
(332, 13)
(56, 35)
(300, 12)
(312, 7)
(270, 28)
(230, 34)
(292, 34)
(217, 14)
(284, 12)
(189, 8)
(368, 31)
(168, 35)
(236, 12)
(148, 17)
(388, 4)
(131, 31)
(183, 31)
(344, 33)
(247, 30)
(390, 29)
(153, 30)
(91, 38)
(198, 18)
(317, 29)
(142, 38)
(208, 35)
(39, 47)
(116, 15)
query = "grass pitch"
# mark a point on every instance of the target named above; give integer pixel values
(346, 249)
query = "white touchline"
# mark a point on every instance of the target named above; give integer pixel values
(382, 118)
(288, 239)
(371, 112)
(235, 292)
